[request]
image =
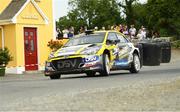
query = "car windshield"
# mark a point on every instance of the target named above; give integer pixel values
(86, 39)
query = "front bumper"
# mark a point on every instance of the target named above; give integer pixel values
(74, 65)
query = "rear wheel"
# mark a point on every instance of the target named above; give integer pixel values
(55, 76)
(136, 65)
(106, 66)
(90, 73)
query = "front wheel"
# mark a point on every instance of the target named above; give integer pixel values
(55, 76)
(106, 65)
(136, 65)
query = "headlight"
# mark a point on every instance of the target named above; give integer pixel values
(91, 50)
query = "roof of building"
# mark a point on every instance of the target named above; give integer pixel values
(12, 9)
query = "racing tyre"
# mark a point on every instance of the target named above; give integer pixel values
(90, 73)
(151, 54)
(55, 76)
(166, 52)
(106, 66)
(135, 65)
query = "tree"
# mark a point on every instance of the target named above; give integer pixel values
(107, 13)
(163, 15)
(127, 5)
(86, 9)
(140, 14)
(91, 13)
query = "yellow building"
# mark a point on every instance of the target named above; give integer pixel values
(26, 26)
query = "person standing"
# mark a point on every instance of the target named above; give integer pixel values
(65, 33)
(142, 33)
(132, 32)
(125, 30)
(71, 32)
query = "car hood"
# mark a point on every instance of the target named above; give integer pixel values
(73, 50)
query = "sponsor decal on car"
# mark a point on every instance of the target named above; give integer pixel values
(122, 62)
(91, 59)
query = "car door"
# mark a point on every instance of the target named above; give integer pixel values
(112, 47)
(124, 47)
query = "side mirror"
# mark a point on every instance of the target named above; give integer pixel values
(117, 41)
(108, 42)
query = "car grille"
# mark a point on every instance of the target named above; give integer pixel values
(67, 64)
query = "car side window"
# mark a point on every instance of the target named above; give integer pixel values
(112, 36)
(122, 38)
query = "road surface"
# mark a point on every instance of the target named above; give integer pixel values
(154, 88)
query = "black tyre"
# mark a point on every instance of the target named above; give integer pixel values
(90, 73)
(55, 76)
(166, 52)
(106, 66)
(151, 54)
(135, 65)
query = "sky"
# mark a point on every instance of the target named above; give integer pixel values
(61, 8)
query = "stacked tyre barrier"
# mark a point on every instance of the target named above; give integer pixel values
(166, 52)
(154, 52)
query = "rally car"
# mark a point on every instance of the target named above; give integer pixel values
(94, 51)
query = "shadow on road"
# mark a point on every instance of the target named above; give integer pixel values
(96, 76)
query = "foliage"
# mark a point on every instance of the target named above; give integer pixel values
(107, 13)
(91, 13)
(176, 44)
(140, 15)
(5, 56)
(128, 10)
(163, 15)
(54, 44)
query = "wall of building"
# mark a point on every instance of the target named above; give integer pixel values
(46, 6)
(30, 17)
(10, 42)
(4, 4)
(43, 36)
(14, 34)
(0, 38)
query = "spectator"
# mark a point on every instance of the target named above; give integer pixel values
(71, 32)
(132, 32)
(117, 28)
(58, 33)
(82, 30)
(103, 28)
(155, 34)
(142, 33)
(121, 28)
(96, 28)
(65, 33)
(112, 27)
(125, 30)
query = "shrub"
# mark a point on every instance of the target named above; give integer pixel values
(5, 56)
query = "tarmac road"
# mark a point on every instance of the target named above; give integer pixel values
(120, 91)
